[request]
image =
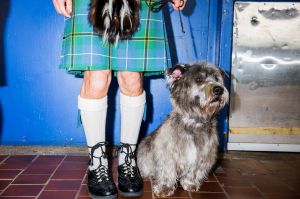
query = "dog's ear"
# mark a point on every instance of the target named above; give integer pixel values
(175, 73)
(223, 72)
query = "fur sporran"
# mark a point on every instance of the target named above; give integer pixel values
(115, 19)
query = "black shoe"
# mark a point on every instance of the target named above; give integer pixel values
(130, 180)
(100, 183)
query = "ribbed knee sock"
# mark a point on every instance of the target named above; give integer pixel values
(93, 116)
(132, 111)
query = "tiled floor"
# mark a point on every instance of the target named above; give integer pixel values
(237, 176)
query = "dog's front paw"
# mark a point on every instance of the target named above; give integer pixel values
(163, 191)
(190, 186)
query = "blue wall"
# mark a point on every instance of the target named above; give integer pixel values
(38, 102)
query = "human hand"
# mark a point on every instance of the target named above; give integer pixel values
(178, 4)
(63, 7)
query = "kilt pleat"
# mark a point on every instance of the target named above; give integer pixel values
(82, 48)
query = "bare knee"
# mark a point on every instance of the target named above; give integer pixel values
(130, 83)
(95, 84)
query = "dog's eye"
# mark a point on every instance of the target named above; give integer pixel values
(199, 80)
(216, 78)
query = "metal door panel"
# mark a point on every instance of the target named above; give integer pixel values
(265, 73)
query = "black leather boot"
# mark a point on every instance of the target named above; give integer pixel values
(130, 180)
(100, 183)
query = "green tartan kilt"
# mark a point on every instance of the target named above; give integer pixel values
(83, 49)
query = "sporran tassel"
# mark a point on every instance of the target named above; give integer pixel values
(115, 19)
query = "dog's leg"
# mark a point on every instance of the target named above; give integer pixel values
(165, 175)
(145, 160)
(164, 182)
(194, 178)
(191, 182)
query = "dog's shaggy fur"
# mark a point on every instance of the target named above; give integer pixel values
(184, 147)
(115, 19)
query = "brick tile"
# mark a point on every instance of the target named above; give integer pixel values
(227, 172)
(85, 179)
(48, 160)
(146, 195)
(63, 185)
(9, 174)
(291, 174)
(264, 185)
(293, 184)
(276, 166)
(4, 184)
(234, 182)
(40, 169)
(83, 191)
(83, 159)
(283, 196)
(79, 166)
(21, 165)
(211, 178)
(251, 167)
(57, 195)
(243, 193)
(20, 159)
(210, 187)
(31, 179)
(147, 185)
(294, 163)
(2, 157)
(16, 197)
(171, 197)
(273, 187)
(17, 162)
(22, 190)
(68, 174)
(197, 195)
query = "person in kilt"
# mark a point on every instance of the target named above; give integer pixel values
(84, 53)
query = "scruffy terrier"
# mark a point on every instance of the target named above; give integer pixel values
(115, 19)
(184, 147)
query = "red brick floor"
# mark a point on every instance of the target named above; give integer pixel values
(243, 176)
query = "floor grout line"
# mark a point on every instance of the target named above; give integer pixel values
(81, 184)
(21, 171)
(224, 191)
(49, 179)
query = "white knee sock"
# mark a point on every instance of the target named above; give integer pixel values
(93, 117)
(132, 111)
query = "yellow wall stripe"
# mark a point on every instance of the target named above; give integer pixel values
(266, 130)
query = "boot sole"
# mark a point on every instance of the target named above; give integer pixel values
(103, 197)
(133, 194)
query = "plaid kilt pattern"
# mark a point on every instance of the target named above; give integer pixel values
(83, 49)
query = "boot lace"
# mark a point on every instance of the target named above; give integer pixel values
(102, 171)
(128, 168)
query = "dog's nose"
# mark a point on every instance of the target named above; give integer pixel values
(218, 90)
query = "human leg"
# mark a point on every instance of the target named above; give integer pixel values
(132, 102)
(92, 104)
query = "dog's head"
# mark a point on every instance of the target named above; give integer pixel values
(197, 87)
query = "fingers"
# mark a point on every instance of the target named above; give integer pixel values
(56, 6)
(69, 6)
(62, 7)
(178, 4)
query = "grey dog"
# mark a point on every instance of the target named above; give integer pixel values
(184, 147)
